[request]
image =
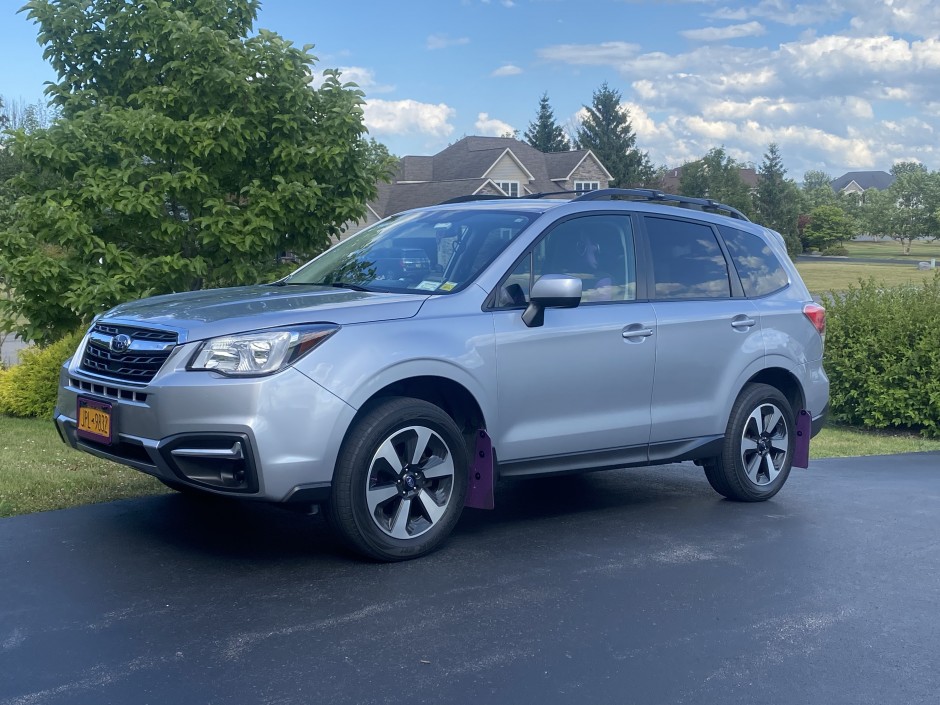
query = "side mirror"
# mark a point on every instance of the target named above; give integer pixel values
(551, 291)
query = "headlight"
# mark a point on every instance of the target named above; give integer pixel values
(260, 352)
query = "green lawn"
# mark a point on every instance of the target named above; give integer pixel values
(921, 250)
(38, 472)
(822, 277)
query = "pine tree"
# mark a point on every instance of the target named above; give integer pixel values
(607, 131)
(778, 199)
(545, 134)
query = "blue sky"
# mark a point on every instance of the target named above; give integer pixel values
(838, 85)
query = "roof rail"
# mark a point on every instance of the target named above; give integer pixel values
(473, 197)
(648, 194)
(493, 197)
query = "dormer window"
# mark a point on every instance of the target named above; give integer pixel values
(583, 186)
(510, 188)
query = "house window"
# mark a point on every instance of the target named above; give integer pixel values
(582, 186)
(510, 188)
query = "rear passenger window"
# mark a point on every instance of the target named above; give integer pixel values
(760, 271)
(687, 260)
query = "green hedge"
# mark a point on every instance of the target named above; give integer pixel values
(883, 356)
(29, 388)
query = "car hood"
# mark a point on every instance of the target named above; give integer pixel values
(197, 315)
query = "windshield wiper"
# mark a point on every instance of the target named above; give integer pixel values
(346, 285)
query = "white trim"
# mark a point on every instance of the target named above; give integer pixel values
(598, 161)
(483, 185)
(414, 182)
(374, 212)
(507, 182)
(528, 173)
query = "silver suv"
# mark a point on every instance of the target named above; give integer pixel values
(512, 337)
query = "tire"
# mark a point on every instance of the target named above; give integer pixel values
(758, 448)
(400, 480)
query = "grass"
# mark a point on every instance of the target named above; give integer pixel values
(822, 277)
(38, 472)
(892, 249)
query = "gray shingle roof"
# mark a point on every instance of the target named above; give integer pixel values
(459, 169)
(865, 179)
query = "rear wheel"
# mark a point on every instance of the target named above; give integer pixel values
(400, 480)
(758, 449)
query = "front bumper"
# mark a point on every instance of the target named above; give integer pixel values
(272, 438)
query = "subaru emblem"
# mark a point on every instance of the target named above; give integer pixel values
(120, 343)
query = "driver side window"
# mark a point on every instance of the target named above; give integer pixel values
(598, 249)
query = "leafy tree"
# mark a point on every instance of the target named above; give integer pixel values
(545, 134)
(828, 225)
(777, 203)
(910, 207)
(190, 152)
(717, 176)
(817, 190)
(606, 130)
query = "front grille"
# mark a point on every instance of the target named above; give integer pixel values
(138, 364)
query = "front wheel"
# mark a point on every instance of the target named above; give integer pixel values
(400, 480)
(758, 449)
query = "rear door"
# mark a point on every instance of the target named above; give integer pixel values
(707, 331)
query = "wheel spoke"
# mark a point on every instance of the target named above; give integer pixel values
(754, 424)
(390, 455)
(400, 522)
(439, 467)
(434, 511)
(753, 467)
(774, 420)
(748, 444)
(770, 468)
(377, 495)
(421, 443)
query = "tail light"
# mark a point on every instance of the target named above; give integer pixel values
(817, 316)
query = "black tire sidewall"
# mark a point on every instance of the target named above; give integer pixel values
(348, 510)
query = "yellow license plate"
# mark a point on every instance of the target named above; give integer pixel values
(94, 420)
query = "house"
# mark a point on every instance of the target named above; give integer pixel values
(861, 181)
(496, 166)
(673, 177)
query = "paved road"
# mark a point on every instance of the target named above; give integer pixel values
(627, 587)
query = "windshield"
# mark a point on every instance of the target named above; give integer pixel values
(424, 251)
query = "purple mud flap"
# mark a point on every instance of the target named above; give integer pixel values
(480, 491)
(804, 429)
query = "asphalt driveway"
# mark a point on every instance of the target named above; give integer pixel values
(637, 586)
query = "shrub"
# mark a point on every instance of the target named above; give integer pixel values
(883, 356)
(29, 388)
(836, 251)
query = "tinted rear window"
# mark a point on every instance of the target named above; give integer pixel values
(760, 271)
(687, 260)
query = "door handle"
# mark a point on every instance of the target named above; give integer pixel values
(636, 330)
(742, 322)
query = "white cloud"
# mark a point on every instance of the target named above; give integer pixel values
(507, 70)
(399, 117)
(488, 126)
(602, 54)
(720, 34)
(443, 41)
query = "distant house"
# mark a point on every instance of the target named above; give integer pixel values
(673, 177)
(861, 181)
(498, 166)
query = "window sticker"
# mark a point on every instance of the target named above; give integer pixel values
(447, 286)
(428, 285)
